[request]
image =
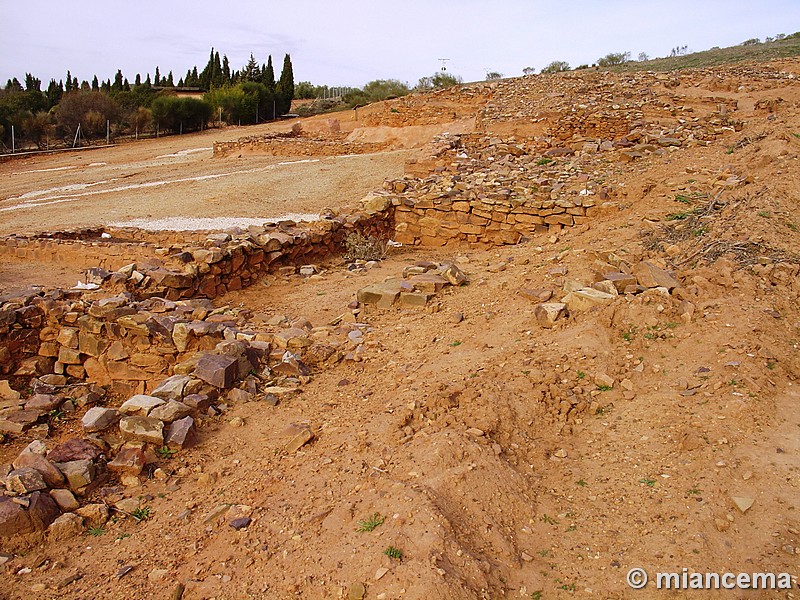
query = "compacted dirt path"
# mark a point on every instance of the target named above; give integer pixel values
(178, 177)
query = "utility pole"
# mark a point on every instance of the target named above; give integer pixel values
(443, 61)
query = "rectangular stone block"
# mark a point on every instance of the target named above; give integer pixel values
(216, 370)
(69, 356)
(91, 344)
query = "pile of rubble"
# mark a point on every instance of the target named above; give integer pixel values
(123, 442)
(610, 282)
(421, 282)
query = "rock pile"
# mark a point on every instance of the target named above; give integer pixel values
(283, 145)
(119, 442)
(612, 278)
(420, 283)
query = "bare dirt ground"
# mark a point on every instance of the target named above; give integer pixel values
(460, 427)
(177, 177)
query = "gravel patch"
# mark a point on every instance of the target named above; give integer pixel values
(208, 223)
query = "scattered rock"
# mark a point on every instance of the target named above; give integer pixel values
(25, 480)
(98, 418)
(743, 503)
(74, 449)
(651, 276)
(144, 429)
(49, 472)
(357, 591)
(171, 388)
(130, 460)
(171, 411)
(79, 473)
(604, 380)
(547, 313)
(65, 499)
(181, 434)
(65, 527)
(585, 299)
(217, 370)
(140, 405)
(301, 436)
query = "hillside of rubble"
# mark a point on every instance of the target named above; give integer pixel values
(577, 355)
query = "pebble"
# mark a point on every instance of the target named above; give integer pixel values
(357, 591)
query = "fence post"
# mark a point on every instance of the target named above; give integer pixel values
(13, 141)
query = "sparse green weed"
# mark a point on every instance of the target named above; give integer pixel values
(142, 513)
(393, 552)
(371, 522)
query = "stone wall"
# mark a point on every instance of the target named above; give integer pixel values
(501, 220)
(225, 262)
(281, 145)
(113, 341)
(120, 340)
(82, 253)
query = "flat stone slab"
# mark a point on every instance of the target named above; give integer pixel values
(99, 418)
(144, 429)
(585, 299)
(171, 411)
(74, 449)
(140, 405)
(19, 421)
(171, 388)
(383, 295)
(650, 276)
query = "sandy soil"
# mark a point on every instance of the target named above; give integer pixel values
(177, 176)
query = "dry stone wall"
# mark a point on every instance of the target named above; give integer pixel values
(282, 145)
(162, 308)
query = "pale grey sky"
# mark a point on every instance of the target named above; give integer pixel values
(351, 42)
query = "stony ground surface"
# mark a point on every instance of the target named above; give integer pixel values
(495, 455)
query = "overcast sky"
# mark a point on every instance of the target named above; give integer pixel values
(351, 42)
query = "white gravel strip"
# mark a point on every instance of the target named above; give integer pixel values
(208, 223)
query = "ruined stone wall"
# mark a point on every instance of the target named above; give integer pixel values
(225, 263)
(113, 341)
(84, 254)
(488, 220)
(63, 332)
(289, 146)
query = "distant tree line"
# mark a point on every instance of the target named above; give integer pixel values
(68, 108)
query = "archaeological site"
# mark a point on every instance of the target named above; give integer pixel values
(509, 339)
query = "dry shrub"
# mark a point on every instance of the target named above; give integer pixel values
(360, 247)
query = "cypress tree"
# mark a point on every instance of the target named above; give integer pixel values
(117, 87)
(226, 69)
(268, 76)
(95, 84)
(284, 90)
